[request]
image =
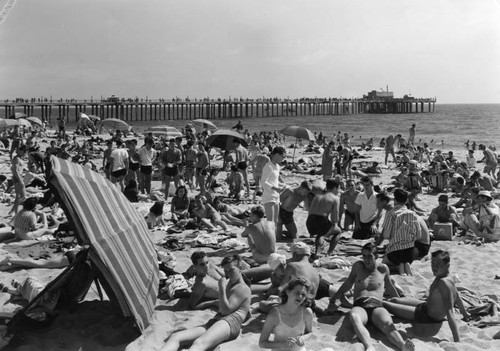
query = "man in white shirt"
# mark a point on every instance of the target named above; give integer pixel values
(366, 213)
(146, 155)
(119, 164)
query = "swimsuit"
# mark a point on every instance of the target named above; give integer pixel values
(283, 331)
(318, 225)
(323, 289)
(401, 256)
(234, 320)
(369, 304)
(422, 314)
(286, 216)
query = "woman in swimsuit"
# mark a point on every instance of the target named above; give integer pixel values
(291, 320)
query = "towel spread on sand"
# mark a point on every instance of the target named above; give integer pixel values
(478, 306)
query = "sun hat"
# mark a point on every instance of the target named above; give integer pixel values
(275, 260)
(486, 194)
(300, 248)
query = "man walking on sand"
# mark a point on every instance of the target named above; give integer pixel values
(323, 206)
(370, 280)
(411, 139)
(242, 162)
(440, 303)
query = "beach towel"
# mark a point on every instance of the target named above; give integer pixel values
(333, 262)
(478, 306)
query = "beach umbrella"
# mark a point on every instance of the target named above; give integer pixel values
(17, 115)
(223, 139)
(119, 241)
(8, 124)
(115, 124)
(204, 123)
(166, 131)
(298, 132)
(35, 121)
(25, 123)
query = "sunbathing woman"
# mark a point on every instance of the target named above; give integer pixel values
(180, 204)
(228, 213)
(290, 321)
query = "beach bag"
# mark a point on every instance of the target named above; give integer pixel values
(176, 286)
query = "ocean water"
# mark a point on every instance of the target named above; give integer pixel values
(448, 128)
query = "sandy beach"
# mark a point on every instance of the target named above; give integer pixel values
(94, 326)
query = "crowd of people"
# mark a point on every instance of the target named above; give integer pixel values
(195, 196)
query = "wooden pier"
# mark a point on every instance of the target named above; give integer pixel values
(139, 110)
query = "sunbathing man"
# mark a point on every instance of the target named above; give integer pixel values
(261, 235)
(443, 296)
(369, 279)
(290, 199)
(299, 265)
(322, 206)
(234, 306)
(205, 290)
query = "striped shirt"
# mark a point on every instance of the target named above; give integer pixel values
(402, 228)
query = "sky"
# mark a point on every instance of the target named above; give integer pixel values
(448, 49)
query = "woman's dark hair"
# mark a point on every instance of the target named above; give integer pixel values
(299, 281)
(132, 184)
(185, 191)
(157, 208)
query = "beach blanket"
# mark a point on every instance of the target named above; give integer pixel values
(333, 262)
(478, 306)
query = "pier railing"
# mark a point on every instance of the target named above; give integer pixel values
(176, 109)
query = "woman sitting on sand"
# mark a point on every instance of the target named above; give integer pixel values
(155, 215)
(132, 193)
(180, 204)
(291, 320)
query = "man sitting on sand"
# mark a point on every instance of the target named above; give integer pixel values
(261, 235)
(483, 218)
(290, 199)
(323, 206)
(443, 296)
(206, 215)
(370, 280)
(443, 213)
(234, 306)
(299, 265)
(205, 290)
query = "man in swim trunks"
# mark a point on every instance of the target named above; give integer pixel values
(370, 280)
(205, 290)
(171, 159)
(17, 178)
(234, 306)
(119, 161)
(261, 235)
(389, 147)
(348, 205)
(411, 139)
(242, 162)
(290, 199)
(491, 161)
(322, 206)
(440, 303)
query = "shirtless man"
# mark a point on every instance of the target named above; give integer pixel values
(299, 265)
(205, 290)
(389, 147)
(443, 296)
(234, 306)
(322, 206)
(411, 139)
(290, 199)
(242, 162)
(348, 204)
(261, 236)
(491, 161)
(346, 157)
(369, 279)
(171, 159)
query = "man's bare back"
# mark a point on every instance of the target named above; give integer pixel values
(437, 302)
(323, 204)
(304, 269)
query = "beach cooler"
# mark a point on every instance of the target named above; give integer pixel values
(443, 231)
